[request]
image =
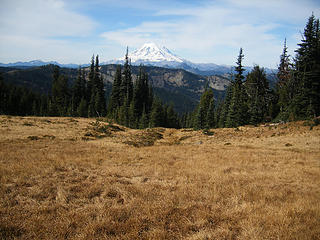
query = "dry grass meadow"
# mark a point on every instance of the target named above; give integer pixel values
(74, 178)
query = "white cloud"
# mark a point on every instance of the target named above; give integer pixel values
(32, 29)
(214, 26)
(200, 31)
(48, 18)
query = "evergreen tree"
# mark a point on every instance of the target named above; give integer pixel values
(257, 89)
(237, 113)
(156, 116)
(144, 120)
(54, 91)
(225, 105)
(141, 94)
(79, 91)
(210, 115)
(283, 87)
(115, 97)
(306, 99)
(90, 79)
(171, 118)
(82, 110)
(126, 83)
(91, 109)
(203, 116)
(60, 94)
(98, 92)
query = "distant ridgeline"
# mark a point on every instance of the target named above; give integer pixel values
(126, 94)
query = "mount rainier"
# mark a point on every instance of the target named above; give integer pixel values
(150, 54)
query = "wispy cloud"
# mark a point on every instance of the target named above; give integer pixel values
(36, 26)
(42, 18)
(200, 31)
(215, 25)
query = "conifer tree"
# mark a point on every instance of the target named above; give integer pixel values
(126, 83)
(115, 97)
(90, 79)
(144, 120)
(141, 94)
(258, 93)
(237, 113)
(225, 105)
(79, 91)
(100, 102)
(62, 95)
(156, 115)
(210, 115)
(171, 118)
(60, 98)
(54, 91)
(306, 99)
(202, 116)
(82, 110)
(283, 88)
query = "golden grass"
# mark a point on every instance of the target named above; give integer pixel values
(73, 178)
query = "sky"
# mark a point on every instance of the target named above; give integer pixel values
(201, 31)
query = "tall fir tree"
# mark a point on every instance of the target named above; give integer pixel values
(78, 91)
(237, 113)
(258, 93)
(115, 97)
(283, 88)
(141, 94)
(90, 79)
(203, 116)
(211, 121)
(60, 96)
(156, 115)
(90, 89)
(306, 99)
(126, 83)
(171, 118)
(98, 92)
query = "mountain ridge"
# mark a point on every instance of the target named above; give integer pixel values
(150, 54)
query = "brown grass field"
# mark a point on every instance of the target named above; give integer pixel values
(74, 178)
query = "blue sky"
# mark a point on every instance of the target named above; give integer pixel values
(202, 31)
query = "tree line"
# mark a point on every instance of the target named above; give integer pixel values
(248, 99)
(130, 104)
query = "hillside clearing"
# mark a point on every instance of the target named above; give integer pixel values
(78, 178)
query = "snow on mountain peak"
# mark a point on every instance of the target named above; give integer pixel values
(150, 52)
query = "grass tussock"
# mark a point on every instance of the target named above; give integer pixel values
(251, 183)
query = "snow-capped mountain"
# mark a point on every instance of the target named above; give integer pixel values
(150, 54)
